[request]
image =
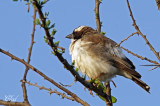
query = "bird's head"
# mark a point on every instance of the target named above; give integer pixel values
(80, 32)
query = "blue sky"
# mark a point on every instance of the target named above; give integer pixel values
(16, 28)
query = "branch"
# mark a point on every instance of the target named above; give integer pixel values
(155, 66)
(45, 77)
(32, 42)
(50, 90)
(108, 92)
(98, 22)
(126, 38)
(143, 36)
(28, 60)
(12, 103)
(64, 61)
(158, 4)
(143, 58)
(28, 5)
(158, 65)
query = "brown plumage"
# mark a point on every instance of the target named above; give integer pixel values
(98, 57)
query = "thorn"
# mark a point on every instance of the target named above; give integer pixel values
(158, 53)
(153, 68)
(12, 59)
(50, 92)
(113, 83)
(91, 92)
(50, 89)
(40, 88)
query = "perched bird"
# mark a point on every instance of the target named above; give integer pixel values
(99, 58)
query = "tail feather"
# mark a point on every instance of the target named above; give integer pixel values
(141, 83)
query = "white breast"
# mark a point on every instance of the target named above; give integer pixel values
(90, 65)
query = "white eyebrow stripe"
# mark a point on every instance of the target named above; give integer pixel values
(79, 28)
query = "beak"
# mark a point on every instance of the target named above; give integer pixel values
(70, 36)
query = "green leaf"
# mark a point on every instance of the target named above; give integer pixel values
(48, 23)
(84, 77)
(100, 86)
(45, 39)
(46, 14)
(43, 2)
(15, 0)
(52, 26)
(101, 23)
(77, 69)
(63, 51)
(38, 22)
(54, 31)
(103, 33)
(56, 43)
(114, 100)
(39, 2)
(73, 62)
(27, 3)
(58, 50)
(52, 53)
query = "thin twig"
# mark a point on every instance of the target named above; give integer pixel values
(126, 38)
(143, 36)
(108, 92)
(142, 58)
(45, 77)
(114, 83)
(28, 5)
(158, 4)
(32, 42)
(158, 65)
(64, 61)
(63, 49)
(9, 103)
(98, 22)
(153, 68)
(67, 85)
(63, 95)
(28, 60)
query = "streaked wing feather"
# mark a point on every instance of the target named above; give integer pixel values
(129, 62)
(122, 65)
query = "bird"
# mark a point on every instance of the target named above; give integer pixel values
(99, 57)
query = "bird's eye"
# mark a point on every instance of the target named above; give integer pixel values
(75, 33)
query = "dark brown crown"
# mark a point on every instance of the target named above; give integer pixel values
(83, 30)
